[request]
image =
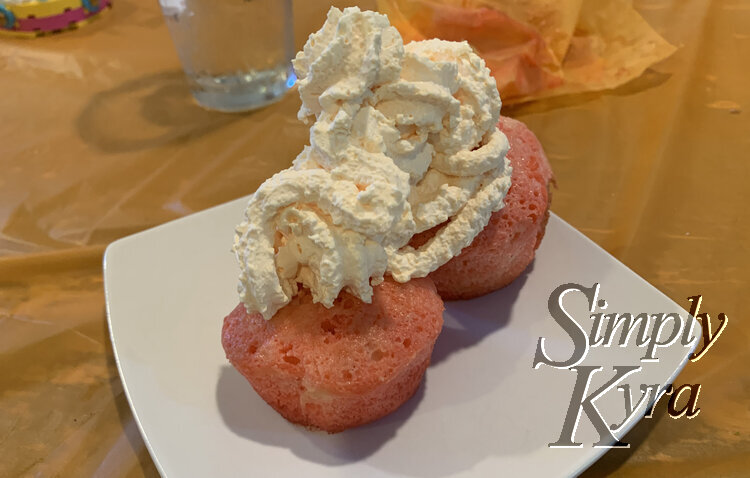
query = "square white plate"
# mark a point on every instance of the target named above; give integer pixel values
(481, 411)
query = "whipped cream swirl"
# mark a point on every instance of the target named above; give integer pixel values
(403, 139)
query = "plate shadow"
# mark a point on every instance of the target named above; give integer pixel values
(467, 322)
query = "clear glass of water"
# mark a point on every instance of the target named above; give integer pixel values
(236, 53)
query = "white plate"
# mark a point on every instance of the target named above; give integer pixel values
(481, 411)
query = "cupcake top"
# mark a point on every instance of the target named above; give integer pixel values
(403, 138)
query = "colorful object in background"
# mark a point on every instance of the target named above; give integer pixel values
(540, 48)
(32, 18)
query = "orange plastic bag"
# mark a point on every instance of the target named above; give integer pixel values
(540, 48)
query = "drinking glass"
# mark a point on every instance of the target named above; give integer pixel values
(236, 53)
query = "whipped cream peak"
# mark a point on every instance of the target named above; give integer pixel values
(352, 53)
(403, 139)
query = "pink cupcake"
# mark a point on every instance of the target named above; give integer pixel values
(332, 369)
(506, 246)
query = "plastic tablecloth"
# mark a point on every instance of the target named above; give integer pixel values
(100, 139)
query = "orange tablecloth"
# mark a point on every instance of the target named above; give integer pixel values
(100, 140)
